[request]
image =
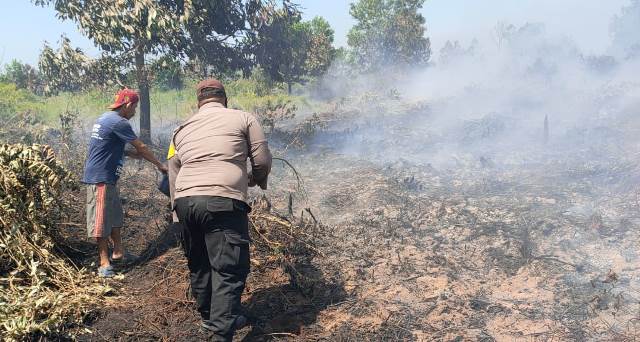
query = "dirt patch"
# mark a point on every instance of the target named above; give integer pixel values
(151, 300)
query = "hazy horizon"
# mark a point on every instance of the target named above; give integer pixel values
(584, 22)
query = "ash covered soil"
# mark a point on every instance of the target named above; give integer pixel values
(475, 252)
(535, 245)
(406, 252)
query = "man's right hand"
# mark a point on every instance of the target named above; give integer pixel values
(163, 168)
(146, 153)
(132, 154)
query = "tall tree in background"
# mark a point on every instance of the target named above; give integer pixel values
(23, 75)
(280, 47)
(166, 73)
(290, 50)
(388, 33)
(63, 69)
(217, 34)
(320, 51)
(131, 29)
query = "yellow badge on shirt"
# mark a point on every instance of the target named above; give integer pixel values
(172, 151)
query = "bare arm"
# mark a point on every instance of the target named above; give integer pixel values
(132, 154)
(143, 151)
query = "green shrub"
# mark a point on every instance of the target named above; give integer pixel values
(253, 95)
(88, 104)
(166, 73)
(14, 100)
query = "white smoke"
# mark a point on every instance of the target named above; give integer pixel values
(490, 99)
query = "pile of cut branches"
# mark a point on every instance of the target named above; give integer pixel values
(279, 242)
(41, 292)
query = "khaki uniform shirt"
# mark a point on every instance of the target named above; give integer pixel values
(209, 151)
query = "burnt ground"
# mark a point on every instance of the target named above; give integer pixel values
(541, 251)
(544, 248)
(151, 300)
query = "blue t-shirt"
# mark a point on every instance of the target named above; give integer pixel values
(106, 149)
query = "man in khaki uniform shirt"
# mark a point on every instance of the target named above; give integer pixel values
(208, 182)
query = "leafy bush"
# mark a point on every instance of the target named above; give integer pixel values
(23, 75)
(14, 100)
(272, 112)
(258, 84)
(268, 100)
(166, 73)
(40, 292)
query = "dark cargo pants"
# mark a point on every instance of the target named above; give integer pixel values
(216, 244)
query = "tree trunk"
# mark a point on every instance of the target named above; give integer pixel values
(205, 72)
(145, 103)
(289, 87)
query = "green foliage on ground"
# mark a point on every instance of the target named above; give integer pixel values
(249, 94)
(165, 104)
(257, 93)
(14, 100)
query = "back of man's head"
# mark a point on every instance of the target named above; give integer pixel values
(210, 90)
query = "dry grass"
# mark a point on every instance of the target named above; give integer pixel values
(40, 291)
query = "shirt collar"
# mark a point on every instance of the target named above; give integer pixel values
(212, 105)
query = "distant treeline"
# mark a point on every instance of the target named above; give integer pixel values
(162, 43)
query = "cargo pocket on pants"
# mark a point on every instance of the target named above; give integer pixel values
(234, 255)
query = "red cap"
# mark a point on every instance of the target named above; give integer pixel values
(123, 97)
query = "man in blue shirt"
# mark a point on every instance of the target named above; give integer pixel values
(102, 169)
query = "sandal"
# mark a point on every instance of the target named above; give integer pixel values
(125, 259)
(106, 272)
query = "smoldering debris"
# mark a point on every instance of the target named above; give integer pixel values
(494, 199)
(477, 253)
(491, 197)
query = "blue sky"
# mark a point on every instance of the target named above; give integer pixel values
(25, 27)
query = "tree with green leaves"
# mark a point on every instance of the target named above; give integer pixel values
(279, 48)
(388, 33)
(214, 35)
(63, 69)
(23, 75)
(130, 29)
(219, 34)
(291, 50)
(166, 73)
(320, 51)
